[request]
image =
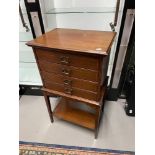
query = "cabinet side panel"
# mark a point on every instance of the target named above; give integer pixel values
(104, 69)
(34, 51)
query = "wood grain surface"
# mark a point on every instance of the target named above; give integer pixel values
(88, 41)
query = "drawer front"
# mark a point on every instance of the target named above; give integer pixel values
(76, 60)
(69, 81)
(69, 71)
(71, 91)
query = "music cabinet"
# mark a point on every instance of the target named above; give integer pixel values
(73, 65)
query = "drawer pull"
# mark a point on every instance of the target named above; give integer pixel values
(64, 60)
(68, 91)
(65, 72)
(67, 82)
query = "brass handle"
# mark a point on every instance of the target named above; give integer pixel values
(65, 71)
(67, 82)
(68, 91)
(64, 60)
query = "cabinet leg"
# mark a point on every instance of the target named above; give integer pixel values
(103, 100)
(98, 115)
(47, 100)
(96, 133)
(102, 108)
(99, 111)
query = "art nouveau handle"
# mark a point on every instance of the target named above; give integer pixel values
(68, 91)
(65, 71)
(67, 82)
(64, 60)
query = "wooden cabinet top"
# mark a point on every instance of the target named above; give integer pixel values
(86, 41)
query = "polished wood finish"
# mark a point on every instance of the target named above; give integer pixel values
(75, 60)
(73, 64)
(69, 71)
(76, 98)
(67, 112)
(70, 81)
(85, 41)
(71, 91)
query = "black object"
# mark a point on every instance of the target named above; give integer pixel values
(114, 93)
(130, 92)
(30, 90)
(34, 7)
(128, 81)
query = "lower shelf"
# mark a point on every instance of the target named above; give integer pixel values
(66, 111)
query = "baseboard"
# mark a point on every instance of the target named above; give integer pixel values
(30, 90)
(112, 94)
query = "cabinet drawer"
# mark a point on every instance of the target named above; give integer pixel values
(69, 81)
(71, 91)
(69, 71)
(81, 61)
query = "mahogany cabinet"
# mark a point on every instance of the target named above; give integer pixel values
(73, 65)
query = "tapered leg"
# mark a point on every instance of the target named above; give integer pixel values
(48, 107)
(98, 115)
(104, 98)
(99, 111)
(102, 107)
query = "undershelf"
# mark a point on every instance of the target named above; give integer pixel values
(66, 111)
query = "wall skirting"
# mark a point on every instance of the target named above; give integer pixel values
(112, 94)
(30, 90)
